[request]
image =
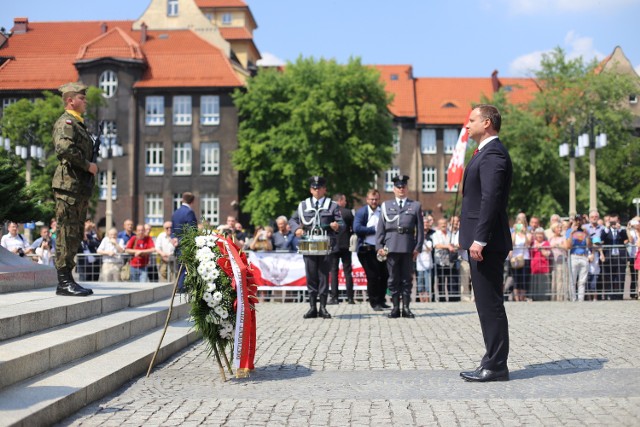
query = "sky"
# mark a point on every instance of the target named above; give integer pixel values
(464, 38)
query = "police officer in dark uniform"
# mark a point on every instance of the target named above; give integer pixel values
(399, 237)
(72, 184)
(319, 211)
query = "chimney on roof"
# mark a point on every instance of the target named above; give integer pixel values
(495, 82)
(143, 33)
(20, 25)
(103, 27)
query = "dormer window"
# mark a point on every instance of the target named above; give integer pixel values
(172, 7)
(226, 19)
(108, 83)
(394, 77)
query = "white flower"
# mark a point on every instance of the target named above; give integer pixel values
(211, 240)
(207, 296)
(213, 305)
(201, 241)
(204, 254)
(219, 310)
(224, 334)
(224, 314)
(211, 286)
(217, 296)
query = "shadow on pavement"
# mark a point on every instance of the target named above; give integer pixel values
(558, 367)
(276, 373)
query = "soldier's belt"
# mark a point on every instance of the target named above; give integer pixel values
(401, 230)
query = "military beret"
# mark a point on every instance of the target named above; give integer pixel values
(317, 182)
(76, 87)
(400, 180)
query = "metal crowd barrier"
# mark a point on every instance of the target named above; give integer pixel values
(94, 268)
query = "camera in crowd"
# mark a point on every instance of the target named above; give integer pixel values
(20, 252)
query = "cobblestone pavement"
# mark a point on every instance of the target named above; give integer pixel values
(571, 364)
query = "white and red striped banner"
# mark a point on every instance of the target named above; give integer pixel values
(456, 165)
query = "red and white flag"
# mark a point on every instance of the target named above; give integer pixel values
(456, 165)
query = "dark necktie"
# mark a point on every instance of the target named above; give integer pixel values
(316, 205)
(400, 204)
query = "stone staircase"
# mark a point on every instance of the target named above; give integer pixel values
(58, 354)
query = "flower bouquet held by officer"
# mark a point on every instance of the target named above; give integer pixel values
(317, 213)
(399, 238)
(72, 184)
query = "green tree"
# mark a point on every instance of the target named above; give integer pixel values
(313, 118)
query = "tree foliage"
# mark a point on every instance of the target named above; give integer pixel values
(313, 118)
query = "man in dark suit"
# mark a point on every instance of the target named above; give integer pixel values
(183, 216)
(365, 224)
(614, 240)
(315, 212)
(484, 232)
(399, 237)
(342, 252)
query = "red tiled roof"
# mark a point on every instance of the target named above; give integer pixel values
(45, 55)
(115, 43)
(447, 101)
(235, 33)
(220, 3)
(398, 80)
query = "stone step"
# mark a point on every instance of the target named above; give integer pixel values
(56, 394)
(33, 354)
(36, 310)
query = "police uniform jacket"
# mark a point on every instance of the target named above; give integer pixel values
(400, 230)
(328, 212)
(74, 149)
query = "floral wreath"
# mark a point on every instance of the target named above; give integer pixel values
(218, 281)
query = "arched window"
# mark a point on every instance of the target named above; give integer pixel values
(108, 83)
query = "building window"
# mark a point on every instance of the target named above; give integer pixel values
(428, 141)
(209, 110)
(210, 16)
(388, 176)
(172, 7)
(154, 111)
(429, 180)
(396, 141)
(102, 182)
(109, 133)
(153, 209)
(633, 99)
(209, 158)
(210, 209)
(154, 159)
(177, 201)
(108, 83)
(182, 110)
(8, 101)
(182, 158)
(226, 19)
(446, 184)
(450, 140)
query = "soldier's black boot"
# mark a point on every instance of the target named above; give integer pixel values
(323, 307)
(406, 300)
(395, 311)
(68, 287)
(313, 311)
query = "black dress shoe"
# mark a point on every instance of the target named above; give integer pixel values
(350, 301)
(311, 314)
(385, 305)
(407, 313)
(463, 373)
(333, 301)
(324, 313)
(486, 375)
(395, 313)
(73, 290)
(377, 308)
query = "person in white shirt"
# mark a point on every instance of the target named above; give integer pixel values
(15, 242)
(165, 248)
(111, 252)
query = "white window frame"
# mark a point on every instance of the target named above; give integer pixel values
(182, 110)
(450, 138)
(210, 208)
(8, 101)
(388, 176)
(182, 156)
(153, 209)
(172, 7)
(177, 201)
(428, 140)
(210, 110)
(396, 141)
(429, 179)
(154, 111)
(154, 159)
(109, 133)
(108, 83)
(102, 185)
(227, 18)
(210, 158)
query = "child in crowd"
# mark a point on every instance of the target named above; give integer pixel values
(596, 256)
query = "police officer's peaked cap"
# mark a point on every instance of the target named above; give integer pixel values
(317, 182)
(400, 180)
(74, 87)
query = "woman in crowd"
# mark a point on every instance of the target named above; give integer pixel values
(558, 244)
(540, 254)
(111, 252)
(520, 262)
(262, 239)
(578, 244)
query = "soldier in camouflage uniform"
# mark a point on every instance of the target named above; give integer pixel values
(72, 184)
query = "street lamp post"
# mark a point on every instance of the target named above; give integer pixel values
(636, 202)
(568, 149)
(110, 150)
(589, 139)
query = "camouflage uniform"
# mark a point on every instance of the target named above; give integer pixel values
(72, 186)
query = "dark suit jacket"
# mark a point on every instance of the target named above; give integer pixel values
(345, 234)
(608, 240)
(182, 216)
(485, 192)
(360, 225)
